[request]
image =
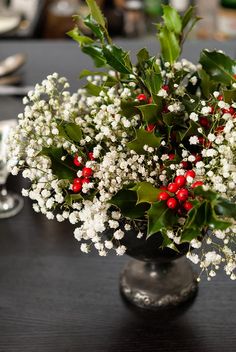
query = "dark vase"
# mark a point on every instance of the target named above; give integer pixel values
(156, 278)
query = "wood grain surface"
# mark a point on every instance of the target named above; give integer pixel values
(53, 298)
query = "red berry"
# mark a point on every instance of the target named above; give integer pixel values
(150, 127)
(77, 180)
(220, 97)
(187, 205)
(212, 109)
(204, 122)
(172, 187)
(150, 100)
(190, 173)
(180, 181)
(76, 187)
(87, 172)
(76, 161)
(142, 97)
(230, 111)
(171, 156)
(219, 129)
(85, 180)
(184, 164)
(197, 184)
(198, 157)
(182, 194)
(163, 188)
(172, 203)
(91, 156)
(165, 109)
(165, 87)
(163, 196)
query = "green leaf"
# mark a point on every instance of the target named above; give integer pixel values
(188, 16)
(70, 198)
(215, 222)
(207, 85)
(96, 12)
(86, 73)
(172, 119)
(189, 234)
(73, 131)
(126, 201)
(96, 53)
(146, 192)
(93, 89)
(81, 39)
(192, 129)
(63, 169)
(172, 19)
(117, 58)
(225, 207)
(160, 217)
(229, 96)
(96, 30)
(143, 56)
(153, 81)
(170, 47)
(70, 131)
(219, 66)
(129, 108)
(144, 138)
(149, 112)
(208, 195)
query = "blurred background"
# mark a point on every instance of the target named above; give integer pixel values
(51, 19)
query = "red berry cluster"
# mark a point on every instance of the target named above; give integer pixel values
(176, 194)
(86, 174)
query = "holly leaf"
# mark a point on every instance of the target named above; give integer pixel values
(129, 108)
(70, 131)
(117, 58)
(91, 24)
(93, 89)
(170, 47)
(219, 66)
(96, 53)
(146, 192)
(209, 195)
(96, 12)
(149, 112)
(126, 201)
(70, 198)
(225, 207)
(215, 222)
(144, 138)
(160, 217)
(189, 234)
(172, 19)
(81, 39)
(229, 96)
(63, 169)
(207, 85)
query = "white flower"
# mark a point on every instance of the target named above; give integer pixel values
(120, 250)
(193, 116)
(193, 140)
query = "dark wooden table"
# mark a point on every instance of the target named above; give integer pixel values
(53, 298)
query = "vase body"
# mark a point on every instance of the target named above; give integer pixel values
(156, 278)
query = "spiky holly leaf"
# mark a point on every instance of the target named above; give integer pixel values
(144, 138)
(126, 201)
(160, 217)
(172, 19)
(219, 66)
(63, 169)
(146, 192)
(149, 112)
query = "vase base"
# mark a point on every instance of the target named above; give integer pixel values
(158, 285)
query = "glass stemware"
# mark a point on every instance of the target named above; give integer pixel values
(10, 203)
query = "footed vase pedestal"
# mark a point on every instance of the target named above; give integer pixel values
(158, 285)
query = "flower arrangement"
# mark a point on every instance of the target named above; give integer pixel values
(153, 141)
